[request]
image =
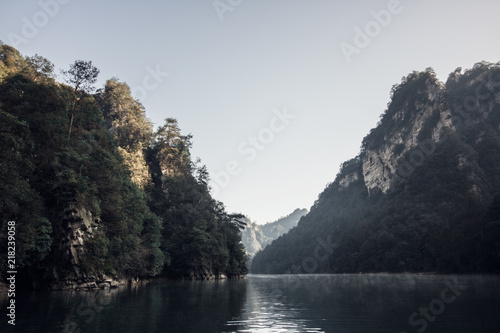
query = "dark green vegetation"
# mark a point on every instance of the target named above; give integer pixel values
(422, 195)
(94, 191)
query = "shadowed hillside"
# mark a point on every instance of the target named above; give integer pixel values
(422, 195)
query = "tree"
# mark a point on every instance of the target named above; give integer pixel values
(11, 61)
(131, 129)
(38, 68)
(126, 117)
(82, 76)
(19, 202)
(172, 148)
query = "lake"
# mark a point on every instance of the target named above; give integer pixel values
(271, 303)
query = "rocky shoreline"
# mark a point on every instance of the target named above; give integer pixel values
(107, 283)
(92, 284)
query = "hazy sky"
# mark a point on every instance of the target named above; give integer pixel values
(276, 93)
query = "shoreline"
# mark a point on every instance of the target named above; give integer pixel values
(120, 283)
(106, 283)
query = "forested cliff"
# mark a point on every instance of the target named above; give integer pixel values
(422, 195)
(94, 192)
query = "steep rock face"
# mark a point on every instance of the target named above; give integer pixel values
(348, 180)
(422, 115)
(276, 229)
(77, 226)
(427, 112)
(253, 238)
(422, 112)
(256, 237)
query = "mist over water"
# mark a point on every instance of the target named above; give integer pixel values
(272, 303)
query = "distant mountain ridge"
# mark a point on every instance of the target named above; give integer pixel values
(256, 237)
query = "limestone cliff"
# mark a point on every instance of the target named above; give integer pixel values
(256, 237)
(253, 238)
(77, 225)
(427, 112)
(419, 116)
(421, 196)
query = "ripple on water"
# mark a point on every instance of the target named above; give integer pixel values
(273, 317)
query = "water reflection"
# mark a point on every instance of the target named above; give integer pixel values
(267, 310)
(59, 311)
(161, 306)
(314, 303)
(174, 306)
(369, 303)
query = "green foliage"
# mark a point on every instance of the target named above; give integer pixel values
(406, 100)
(132, 131)
(199, 236)
(19, 202)
(11, 61)
(67, 151)
(39, 69)
(126, 117)
(82, 76)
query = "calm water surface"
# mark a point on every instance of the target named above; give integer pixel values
(267, 303)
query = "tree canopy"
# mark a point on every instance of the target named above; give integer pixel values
(111, 198)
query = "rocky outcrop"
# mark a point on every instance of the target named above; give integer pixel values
(348, 179)
(204, 274)
(76, 227)
(256, 237)
(91, 283)
(381, 164)
(253, 238)
(410, 130)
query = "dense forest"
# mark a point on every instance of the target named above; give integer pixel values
(423, 195)
(94, 191)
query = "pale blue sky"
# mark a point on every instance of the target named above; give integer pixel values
(227, 78)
